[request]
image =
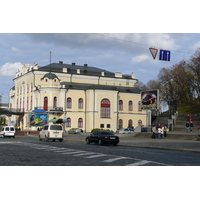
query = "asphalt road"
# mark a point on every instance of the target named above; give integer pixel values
(29, 151)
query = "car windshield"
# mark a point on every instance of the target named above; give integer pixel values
(55, 127)
(107, 133)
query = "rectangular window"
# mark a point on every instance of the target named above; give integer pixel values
(101, 125)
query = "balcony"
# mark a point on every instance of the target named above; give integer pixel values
(51, 109)
(11, 111)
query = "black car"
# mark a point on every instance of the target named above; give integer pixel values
(102, 137)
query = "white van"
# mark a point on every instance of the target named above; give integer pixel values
(51, 132)
(8, 131)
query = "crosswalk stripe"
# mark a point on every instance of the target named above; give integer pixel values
(72, 152)
(115, 159)
(84, 154)
(95, 156)
(142, 162)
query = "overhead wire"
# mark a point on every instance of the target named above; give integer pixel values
(137, 43)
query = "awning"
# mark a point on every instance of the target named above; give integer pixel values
(59, 121)
(39, 111)
(53, 120)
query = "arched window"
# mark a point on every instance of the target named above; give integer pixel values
(69, 103)
(80, 123)
(31, 87)
(68, 123)
(120, 123)
(45, 103)
(120, 105)
(130, 123)
(139, 122)
(27, 88)
(80, 103)
(27, 103)
(105, 108)
(31, 102)
(55, 102)
(130, 106)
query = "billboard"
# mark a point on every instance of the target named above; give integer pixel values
(150, 100)
(38, 119)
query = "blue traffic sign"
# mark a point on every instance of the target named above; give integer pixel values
(164, 55)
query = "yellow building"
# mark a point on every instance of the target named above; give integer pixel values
(87, 97)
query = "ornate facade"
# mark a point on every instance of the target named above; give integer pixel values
(87, 97)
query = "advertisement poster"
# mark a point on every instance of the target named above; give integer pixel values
(37, 119)
(150, 100)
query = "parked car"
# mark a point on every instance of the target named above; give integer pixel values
(7, 131)
(149, 99)
(51, 132)
(125, 131)
(74, 131)
(102, 137)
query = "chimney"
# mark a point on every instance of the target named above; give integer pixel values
(85, 65)
(60, 62)
(73, 63)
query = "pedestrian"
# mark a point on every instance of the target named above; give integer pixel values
(165, 131)
(162, 131)
(190, 118)
(187, 125)
(159, 132)
(191, 126)
(154, 132)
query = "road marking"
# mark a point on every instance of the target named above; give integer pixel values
(115, 159)
(73, 152)
(62, 151)
(84, 154)
(95, 156)
(142, 162)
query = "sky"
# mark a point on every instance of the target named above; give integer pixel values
(116, 52)
(111, 35)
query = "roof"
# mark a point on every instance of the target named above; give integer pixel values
(49, 76)
(83, 86)
(72, 69)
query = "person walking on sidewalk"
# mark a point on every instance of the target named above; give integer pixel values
(187, 125)
(191, 126)
(154, 132)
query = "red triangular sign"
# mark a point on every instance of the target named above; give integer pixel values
(153, 52)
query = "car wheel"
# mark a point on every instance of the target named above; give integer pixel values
(87, 141)
(115, 144)
(61, 140)
(13, 136)
(100, 142)
(40, 138)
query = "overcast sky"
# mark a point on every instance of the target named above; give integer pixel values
(115, 52)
